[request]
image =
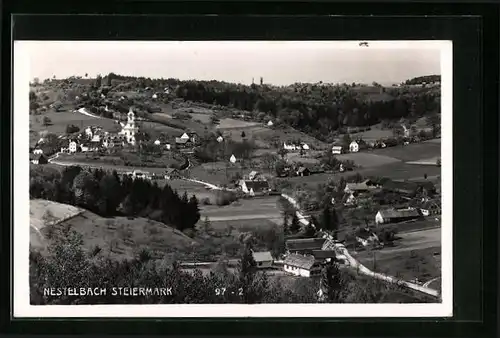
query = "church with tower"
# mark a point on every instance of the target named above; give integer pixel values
(130, 129)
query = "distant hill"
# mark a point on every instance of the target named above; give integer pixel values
(423, 79)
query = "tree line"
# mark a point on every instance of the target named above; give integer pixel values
(109, 194)
(246, 285)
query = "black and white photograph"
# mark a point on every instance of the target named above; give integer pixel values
(233, 178)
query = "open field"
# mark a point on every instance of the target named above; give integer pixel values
(229, 123)
(247, 208)
(67, 160)
(61, 119)
(373, 134)
(424, 264)
(396, 171)
(367, 160)
(411, 152)
(202, 117)
(426, 161)
(125, 159)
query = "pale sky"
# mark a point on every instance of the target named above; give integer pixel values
(279, 63)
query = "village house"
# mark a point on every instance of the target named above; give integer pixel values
(253, 175)
(263, 259)
(254, 187)
(232, 159)
(394, 216)
(303, 171)
(172, 173)
(304, 245)
(157, 142)
(290, 147)
(354, 147)
(270, 123)
(220, 139)
(37, 151)
(431, 208)
(182, 142)
(305, 146)
(38, 159)
(302, 265)
(337, 150)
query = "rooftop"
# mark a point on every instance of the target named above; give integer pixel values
(305, 244)
(400, 213)
(300, 261)
(264, 256)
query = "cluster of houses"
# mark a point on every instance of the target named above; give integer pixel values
(359, 144)
(426, 206)
(295, 146)
(304, 257)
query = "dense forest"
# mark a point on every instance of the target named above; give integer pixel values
(108, 194)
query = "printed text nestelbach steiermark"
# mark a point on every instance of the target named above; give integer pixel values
(113, 291)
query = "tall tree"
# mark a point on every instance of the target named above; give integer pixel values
(331, 283)
(295, 225)
(326, 218)
(246, 274)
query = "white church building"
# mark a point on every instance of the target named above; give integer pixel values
(130, 129)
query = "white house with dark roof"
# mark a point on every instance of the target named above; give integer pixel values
(354, 147)
(263, 259)
(254, 187)
(302, 265)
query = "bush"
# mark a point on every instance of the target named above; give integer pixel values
(206, 201)
(224, 197)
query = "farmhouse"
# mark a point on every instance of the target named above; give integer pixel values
(289, 146)
(220, 139)
(263, 259)
(393, 215)
(254, 187)
(337, 150)
(270, 123)
(354, 147)
(304, 245)
(302, 265)
(171, 174)
(303, 171)
(38, 159)
(430, 208)
(253, 175)
(37, 151)
(232, 159)
(305, 146)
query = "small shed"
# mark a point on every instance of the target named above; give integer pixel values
(263, 259)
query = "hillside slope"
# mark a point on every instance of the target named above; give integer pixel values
(118, 237)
